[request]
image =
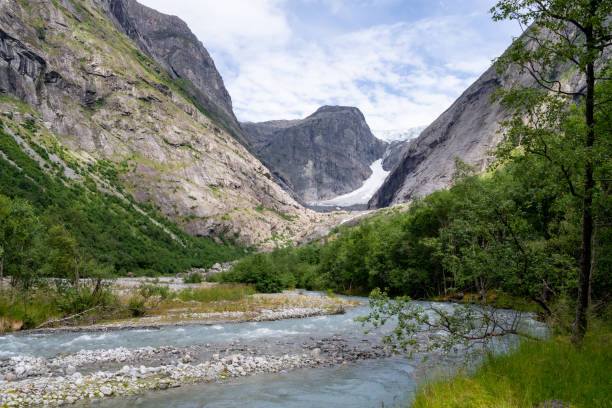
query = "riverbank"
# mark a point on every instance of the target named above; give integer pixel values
(138, 303)
(549, 372)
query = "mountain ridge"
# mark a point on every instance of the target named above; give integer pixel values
(326, 154)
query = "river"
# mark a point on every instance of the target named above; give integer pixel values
(387, 381)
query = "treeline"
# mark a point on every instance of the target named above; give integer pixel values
(51, 226)
(515, 229)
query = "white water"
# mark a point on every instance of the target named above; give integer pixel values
(363, 194)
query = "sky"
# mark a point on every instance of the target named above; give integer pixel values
(402, 62)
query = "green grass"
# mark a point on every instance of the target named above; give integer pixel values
(535, 372)
(30, 309)
(261, 209)
(216, 293)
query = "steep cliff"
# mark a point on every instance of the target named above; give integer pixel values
(172, 45)
(393, 154)
(104, 99)
(327, 154)
(468, 130)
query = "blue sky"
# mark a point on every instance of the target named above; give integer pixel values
(401, 62)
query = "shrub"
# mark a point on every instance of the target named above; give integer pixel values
(147, 291)
(193, 278)
(137, 307)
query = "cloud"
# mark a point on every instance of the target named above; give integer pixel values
(387, 71)
(232, 26)
(401, 74)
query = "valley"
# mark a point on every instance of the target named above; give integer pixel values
(163, 244)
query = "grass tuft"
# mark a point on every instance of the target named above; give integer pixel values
(535, 372)
(216, 293)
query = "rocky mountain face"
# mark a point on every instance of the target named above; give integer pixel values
(393, 154)
(106, 79)
(172, 45)
(327, 154)
(468, 130)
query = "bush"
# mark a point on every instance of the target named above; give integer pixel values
(137, 307)
(77, 300)
(147, 291)
(193, 278)
(259, 270)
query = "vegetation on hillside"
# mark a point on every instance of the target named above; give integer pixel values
(56, 227)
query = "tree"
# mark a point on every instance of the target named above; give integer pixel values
(63, 254)
(445, 327)
(564, 34)
(19, 231)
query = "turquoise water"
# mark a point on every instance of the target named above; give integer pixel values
(387, 382)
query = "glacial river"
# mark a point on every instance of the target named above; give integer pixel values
(388, 382)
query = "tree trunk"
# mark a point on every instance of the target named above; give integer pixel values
(584, 277)
(76, 273)
(593, 260)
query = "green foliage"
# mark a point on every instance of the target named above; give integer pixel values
(63, 253)
(530, 375)
(77, 300)
(193, 278)
(56, 227)
(440, 327)
(19, 237)
(46, 302)
(148, 290)
(267, 272)
(563, 35)
(41, 33)
(137, 306)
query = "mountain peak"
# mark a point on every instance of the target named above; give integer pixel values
(335, 109)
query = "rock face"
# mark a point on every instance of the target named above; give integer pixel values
(327, 154)
(170, 42)
(393, 154)
(468, 130)
(108, 103)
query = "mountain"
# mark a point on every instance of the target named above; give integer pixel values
(129, 92)
(322, 156)
(172, 45)
(468, 130)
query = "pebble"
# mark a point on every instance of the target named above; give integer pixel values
(30, 391)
